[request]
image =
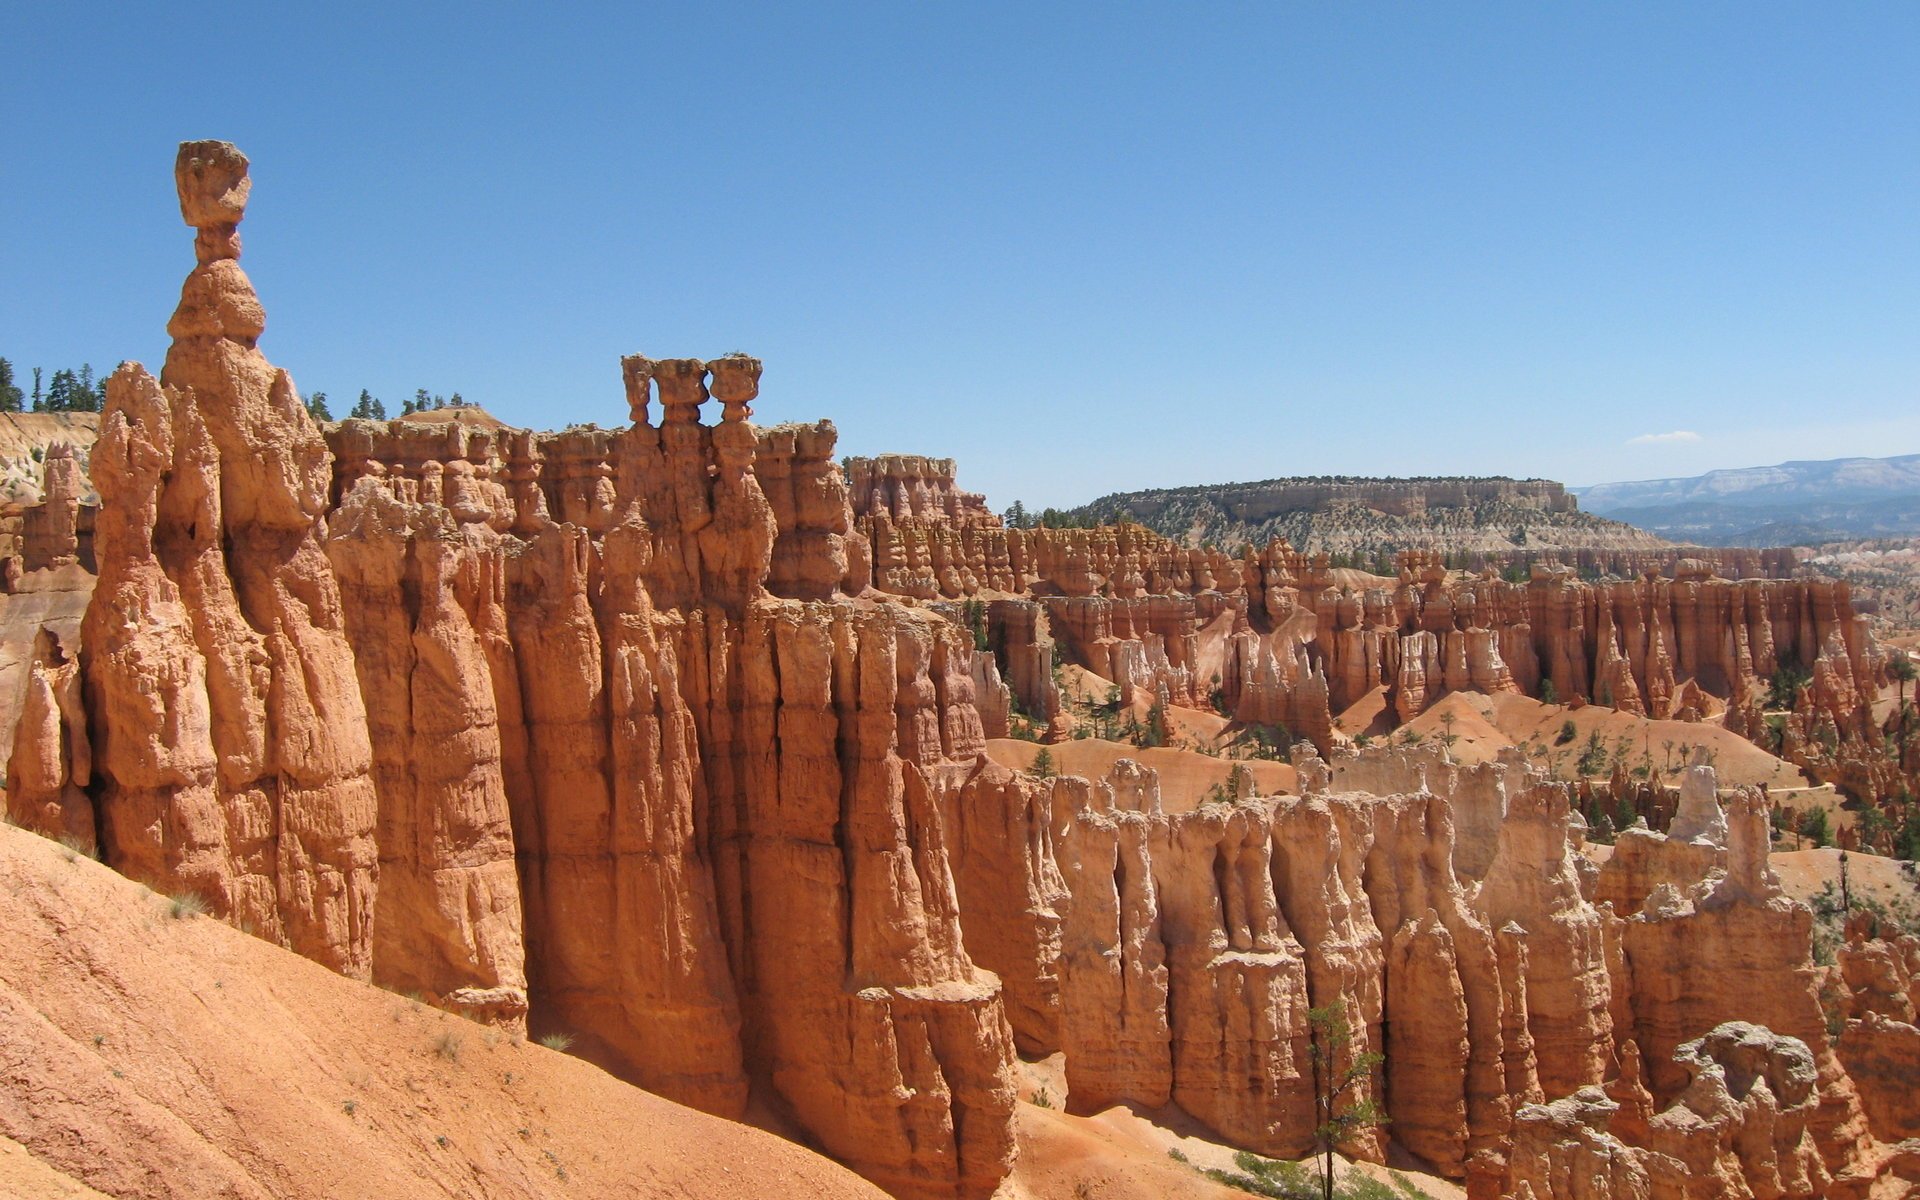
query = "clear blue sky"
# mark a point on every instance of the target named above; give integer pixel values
(1082, 248)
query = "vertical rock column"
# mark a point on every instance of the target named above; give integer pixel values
(814, 719)
(1236, 980)
(625, 949)
(1012, 896)
(52, 761)
(229, 473)
(1532, 883)
(448, 923)
(875, 1026)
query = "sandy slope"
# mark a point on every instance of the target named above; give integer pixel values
(1888, 881)
(148, 1056)
(1123, 1153)
(1486, 724)
(1185, 776)
(24, 1177)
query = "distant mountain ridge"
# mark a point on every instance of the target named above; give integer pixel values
(1800, 502)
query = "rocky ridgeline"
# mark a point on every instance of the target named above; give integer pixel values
(1370, 518)
(626, 734)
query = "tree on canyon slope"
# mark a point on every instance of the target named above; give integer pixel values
(1338, 1118)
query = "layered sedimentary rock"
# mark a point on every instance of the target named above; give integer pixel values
(516, 722)
(47, 505)
(1014, 925)
(418, 596)
(1191, 945)
(1880, 1042)
(670, 737)
(1281, 638)
(912, 486)
(58, 531)
(1533, 883)
(1278, 637)
(1738, 1126)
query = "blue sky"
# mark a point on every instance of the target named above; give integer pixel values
(1081, 248)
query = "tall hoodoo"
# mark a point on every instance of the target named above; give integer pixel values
(236, 753)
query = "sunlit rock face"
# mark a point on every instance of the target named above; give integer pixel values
(670, 738)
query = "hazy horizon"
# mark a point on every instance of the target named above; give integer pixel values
(1080, 252)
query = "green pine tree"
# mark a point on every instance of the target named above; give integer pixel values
(86, 397)
(368, 407)
(1337, 1117)
(11, 397)
(60, 389)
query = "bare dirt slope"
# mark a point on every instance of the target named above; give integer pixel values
(24, 438)
(1889, 882)
(1127, 1153)
(1484, 725)
(1185, 775)
(24, 1177)
(144, 1055)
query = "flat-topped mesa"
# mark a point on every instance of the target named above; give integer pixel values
(1255, 502)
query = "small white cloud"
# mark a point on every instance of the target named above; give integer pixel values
(1664, 439)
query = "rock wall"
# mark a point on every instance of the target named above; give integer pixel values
(1283, 638)
(909, 487)
(575, 730)
(1174, 958)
